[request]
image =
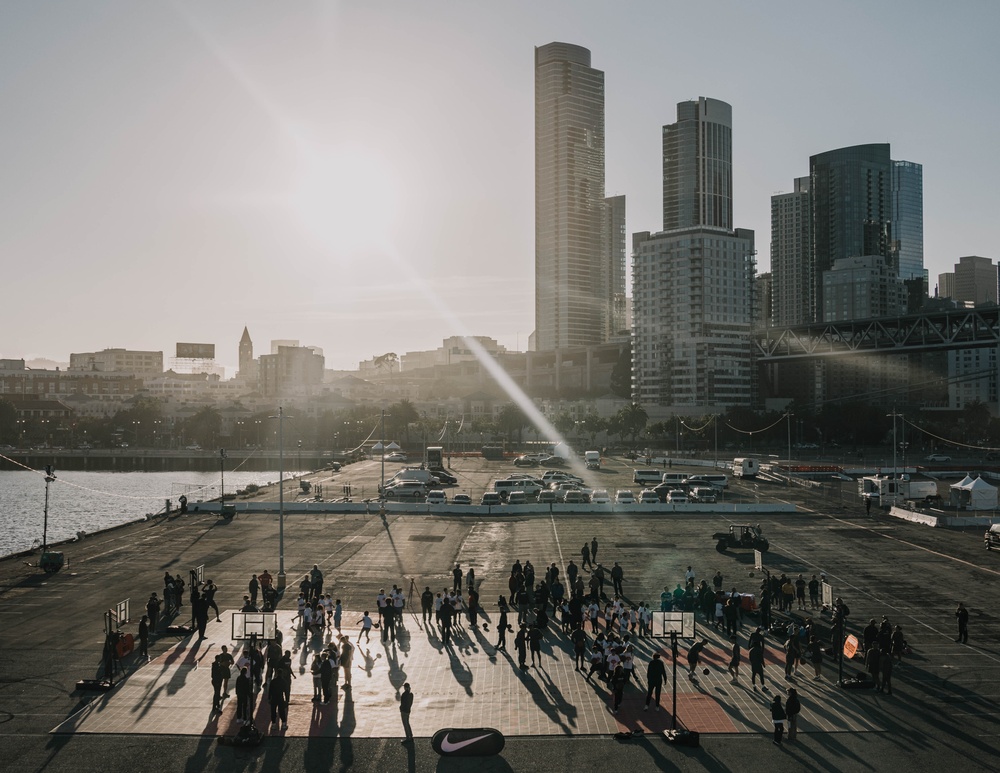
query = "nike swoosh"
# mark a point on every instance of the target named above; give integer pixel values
(448, 746)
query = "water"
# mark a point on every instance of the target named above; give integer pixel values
(90, 501)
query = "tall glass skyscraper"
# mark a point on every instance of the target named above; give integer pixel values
(908, 219)
(852, 209)
(698, 166)
(571, 273)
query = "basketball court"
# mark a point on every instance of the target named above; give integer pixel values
(465, 684)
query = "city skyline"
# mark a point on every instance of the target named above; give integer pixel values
(361, 179)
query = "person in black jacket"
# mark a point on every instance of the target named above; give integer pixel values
(405, 705)
(778, 717)
(242, 697)
(427, 603)
(962, 616)
(656, 675)
(792, 709)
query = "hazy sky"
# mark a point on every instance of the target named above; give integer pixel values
(360, 175)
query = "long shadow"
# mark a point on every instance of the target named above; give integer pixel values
(537, 694)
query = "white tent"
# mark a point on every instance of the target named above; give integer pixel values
(377, 447)
(393, 446)
(975, 495)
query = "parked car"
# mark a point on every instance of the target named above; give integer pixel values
(525, 461)
(446, 478)
(461, 499)
(677, 497)
(600, 497)
(992, 537)
(554, 476)
(406, 493)
(937, 458)
(547, 496)
(625, 497)
(490, 498)
(437, 497)
(574, 498)
(396, 456)
(517, 498)
(703, 495)
(553, 461)
(648, 497)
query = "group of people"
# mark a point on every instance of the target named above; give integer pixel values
(320, 613)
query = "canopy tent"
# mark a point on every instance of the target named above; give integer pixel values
(393, 446)
(377, 447)
(975, 495)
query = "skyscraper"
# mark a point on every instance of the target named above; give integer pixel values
(908, 219)
(614, 260)
(852, 209)
(791, 251)
(698, 166)
(571, 277)
(856, 202)
(692, 283)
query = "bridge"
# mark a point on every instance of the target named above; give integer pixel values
(910, 334)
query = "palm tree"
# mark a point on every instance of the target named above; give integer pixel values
(634, 418)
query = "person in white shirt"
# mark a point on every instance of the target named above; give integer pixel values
(595, 613)
(689, 576)
(366, 627)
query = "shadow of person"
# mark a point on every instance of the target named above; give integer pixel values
(397, 676)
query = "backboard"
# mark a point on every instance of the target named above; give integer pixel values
(827, 591)
(758, 561)
(667, 623)
(263, 625)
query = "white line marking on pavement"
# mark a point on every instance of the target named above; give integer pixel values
(555, 532)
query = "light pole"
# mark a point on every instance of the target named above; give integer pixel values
(49, 477)
(895, 476)
(222, 476)
(281, 497)
(788, 421)
(300, 457)
(381, 490)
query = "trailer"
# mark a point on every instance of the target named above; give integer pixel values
(885, 491)
(593, 459)
(745, 467)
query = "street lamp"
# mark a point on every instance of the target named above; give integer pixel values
(49, 477)
(222, 484)
(788, 418)
(300, 457)
(281, 497)
(381, 490)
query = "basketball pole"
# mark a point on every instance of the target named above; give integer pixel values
(673, 710)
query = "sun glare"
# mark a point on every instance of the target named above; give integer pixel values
(347, 197)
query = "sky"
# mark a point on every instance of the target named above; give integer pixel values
(359, 176)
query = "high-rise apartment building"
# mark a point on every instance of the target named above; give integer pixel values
(791, 250)
(698, 166)
(571, 275)
(862, 288)
(615, 243)
(692, 283)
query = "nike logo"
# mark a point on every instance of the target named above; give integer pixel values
(448, 746)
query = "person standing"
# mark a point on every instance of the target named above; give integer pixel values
(572, 570)
(778, 717)
(872, 662)
(501, 645)
(800, 599)
(579, 639)
(316, 581)
(585, 557)
(814, 593)
(962, 616)
(816, 656)
(521, 645)
(220, 676)
(405, 705)
(338, 612)
(144, 638)
(792, 708)
(734, 660)
(617, 575)
(885, 666)
(427, 603)
(346, 656)
(593, 549)
(153, 611)
(326, 678)
(456, 575)
(757, 666)
(656, 675)
(535, 643)
(253, 587)
(242, 697)
(617, 687)
(447, 612)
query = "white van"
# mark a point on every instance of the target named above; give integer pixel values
(644, 477)
(593, 459)
(746, 467)
(674, 478)
(505, 487)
